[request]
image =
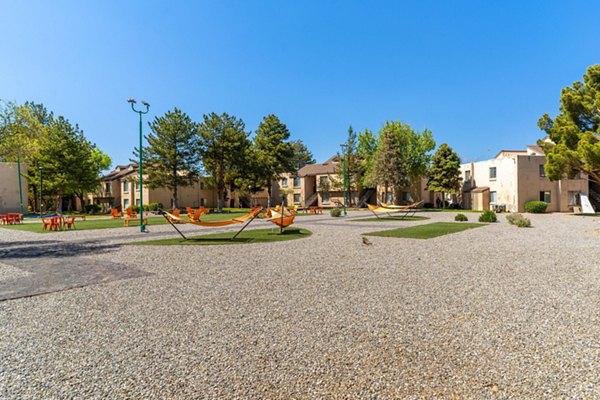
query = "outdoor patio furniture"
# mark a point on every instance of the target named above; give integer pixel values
(130, 212)
(115, 213)
(128, 220)
(69, 222)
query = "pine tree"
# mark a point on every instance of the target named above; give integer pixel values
(444, 173)
(224, 148)
(171, 157)
(273, 151)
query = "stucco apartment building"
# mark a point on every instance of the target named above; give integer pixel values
(9, 187)
(120, 189)
(514, 177)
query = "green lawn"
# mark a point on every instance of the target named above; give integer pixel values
(115, 223)
(386, 218)
(247, 236)
(427, 231)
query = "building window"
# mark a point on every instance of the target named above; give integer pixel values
(542, 171)
(202, 202)
(201, 185)
(325, 198)
(467, 176)
(284, 182)
(297, 198)
(389, 197)
(406, 197)
(545, 196)
(137, 186)
(573, 198)
(493, 197)
(297, 181)
(137, 202)
(107, 187)
(323, 181)
(126, 186)
(492, 172)
(126, 203)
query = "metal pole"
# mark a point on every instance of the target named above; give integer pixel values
(344, 148)
(20, 187)
(142, 227)
(40, 192)
(140, 166)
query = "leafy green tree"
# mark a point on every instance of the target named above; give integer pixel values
(273, 151)
(354, 168)
(301, 156)
(171, 157)
(71, 165)
(444, 173)
(402, 155)
(224, 149)
(366, 148)
(575, 132)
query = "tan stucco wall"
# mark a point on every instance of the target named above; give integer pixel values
(187, 196)
(518, 181)
(9, 187)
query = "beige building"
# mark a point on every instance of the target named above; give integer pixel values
(513, 178)
(319, 185)
(120, 189)
(9, 187)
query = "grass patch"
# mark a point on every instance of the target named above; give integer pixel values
(249, 236)
(426, 231)
(386, 218)
(114, 223)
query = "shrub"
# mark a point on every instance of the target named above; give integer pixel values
(488, 216)
(135, 208)
(335, 212)
(461, 218)
(146, 207)
(455, 206)
(91, 208)
(536, 207)
(518, 220)
(154, 206)
(428, 205)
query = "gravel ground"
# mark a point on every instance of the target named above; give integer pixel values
(492, 312)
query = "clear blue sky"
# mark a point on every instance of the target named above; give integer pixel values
(477, 73)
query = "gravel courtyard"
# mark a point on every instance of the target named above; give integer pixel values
(491, 312)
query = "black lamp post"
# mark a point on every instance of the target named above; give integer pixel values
(133, 102)
(40, 168)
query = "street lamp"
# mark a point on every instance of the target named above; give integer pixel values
(40, 168)
(344, 147)
(20, 186)
(144, 103)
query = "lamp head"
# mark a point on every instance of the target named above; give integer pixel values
(144, 102)
(132, 101)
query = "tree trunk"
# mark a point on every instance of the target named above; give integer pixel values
(174, 199)
(269, 194)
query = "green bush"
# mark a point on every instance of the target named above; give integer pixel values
(146, 207)
(154, 206)
(488, 216)
(461, 218)
(518, 220)
(91, 208)
(536, 207)
(135, 208)
(335, 212)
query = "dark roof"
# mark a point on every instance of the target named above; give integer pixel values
(120, 171)
(537, 149)
(480, 189)
(328, 167)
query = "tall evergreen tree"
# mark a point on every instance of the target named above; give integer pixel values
(224, 148)
(171, 157)
(300, 156)
(273, 151)
(402, 155)
(444, 173)
(575, 132)
(354, 170)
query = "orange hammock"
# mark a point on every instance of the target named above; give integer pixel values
(213, 224)
(282, 220)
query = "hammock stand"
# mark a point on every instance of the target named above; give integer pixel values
(248, 218)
